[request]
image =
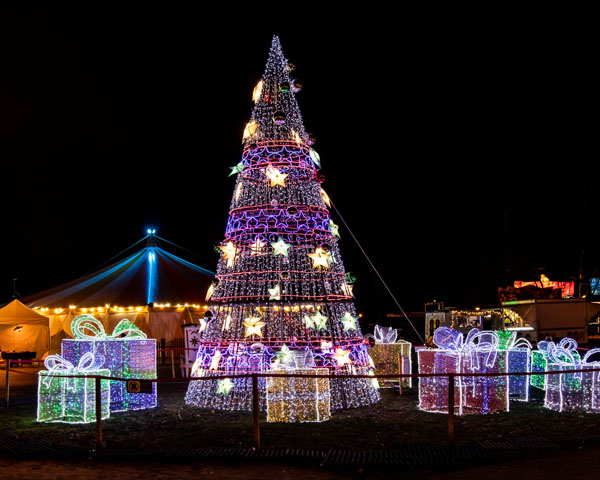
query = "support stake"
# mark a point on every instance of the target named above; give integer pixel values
(451, 408)
(255, 411)
(7, 381)
(98, 413)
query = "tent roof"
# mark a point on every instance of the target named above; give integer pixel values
(16, 313)
(151, 275)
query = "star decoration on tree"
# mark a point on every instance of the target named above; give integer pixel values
(238, 191)
(250, 129)
(284, 355)
(325, 198)
(276, 177)
(257, 246)
(349, 322)
(210, 291)
(320, 258)
(253, 326)
(334, 229)
(203, 325)
(374, 381)
(237, 169)
(280, 247)
(227, 322)
(274, 293)
(342, 357)
(319, 320)
(224, 386)
(214, 364)
(347, 289)
(308, 322)
(229, 253)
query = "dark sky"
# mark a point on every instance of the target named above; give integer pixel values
(453, 143)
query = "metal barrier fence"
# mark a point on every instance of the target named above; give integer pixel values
(255, 393)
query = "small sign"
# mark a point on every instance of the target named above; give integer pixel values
(139, 386)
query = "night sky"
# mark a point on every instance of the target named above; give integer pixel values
(454, 145)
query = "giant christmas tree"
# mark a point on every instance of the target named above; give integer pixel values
(281, 285)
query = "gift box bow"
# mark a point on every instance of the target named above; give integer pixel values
(385, 334)
(508, 341)
(125, 329)
(567, 358)
(476, 342)
(58, 365)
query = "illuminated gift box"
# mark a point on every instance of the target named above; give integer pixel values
(518, 355)
(298, 399)
(572, 390)
(472, 394)
(127, 352)
(388, 355)
(539, 359)
(69, 399)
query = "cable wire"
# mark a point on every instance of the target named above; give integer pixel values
(375, 270)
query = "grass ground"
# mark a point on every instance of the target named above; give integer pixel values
(392, 423)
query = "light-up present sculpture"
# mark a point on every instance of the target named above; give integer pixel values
(568, 390)
(69, 399)
(478, 353)
(539, 358)
(390, 356)
(298, 399)
(518, 357)
(127, 352)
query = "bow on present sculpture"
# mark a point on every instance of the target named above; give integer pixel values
(385, 334)
(565, 357)
(476, 342)
(125, 329)
(58, 366)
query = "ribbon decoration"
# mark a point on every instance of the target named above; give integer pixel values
(385, 334)
(125, 329)
(566, 344)
(58, 365)
(508, 341)
(476, 342)
(570, 358)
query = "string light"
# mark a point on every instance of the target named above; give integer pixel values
(271, 291)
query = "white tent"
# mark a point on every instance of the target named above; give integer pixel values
(23, 329)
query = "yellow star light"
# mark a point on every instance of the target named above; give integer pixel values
(257, 91)
(280, 247)
(250, 129)
(276, 177)
(227, 322)
(253, 326)
(347, 289)
(210, 291)
(214, 364)
(274, 293)
(342, 357)
(203, 325)
(325, 198)
(349, 322)
(238, 191)
(229, 253)
(320, 258)
(224, 386)
(257, 246)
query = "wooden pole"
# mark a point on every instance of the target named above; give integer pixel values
(172, 364)
(400, 371)
(255, 411)
(98, 412)
(7, 381)
(451, 408)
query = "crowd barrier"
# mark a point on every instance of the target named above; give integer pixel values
(255, 395)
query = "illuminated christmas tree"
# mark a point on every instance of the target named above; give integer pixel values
(282, 292)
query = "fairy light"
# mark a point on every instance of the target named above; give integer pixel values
(386, 353)
(271, 295)
(477, 353)
(129, 356)
(67, 399)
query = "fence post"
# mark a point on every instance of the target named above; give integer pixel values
(172, 363)
(255, 410)
(7, 381)
(451, 408)
(401, 371)
(98, 413)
